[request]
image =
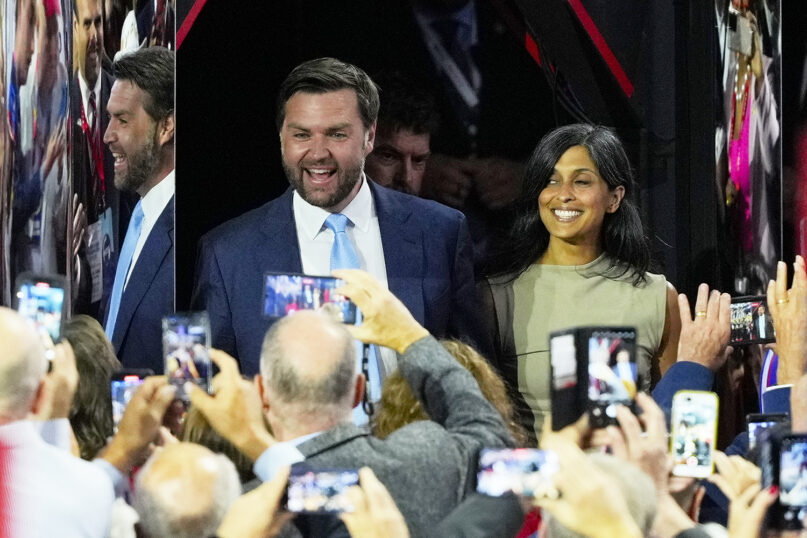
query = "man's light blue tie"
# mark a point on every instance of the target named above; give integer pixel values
(343, 256)
(124, 261)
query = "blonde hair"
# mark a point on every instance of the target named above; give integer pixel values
(399, 407)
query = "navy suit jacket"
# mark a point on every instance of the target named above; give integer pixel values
(427, 253)
(149, 295)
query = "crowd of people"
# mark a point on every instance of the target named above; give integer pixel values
(384, 400)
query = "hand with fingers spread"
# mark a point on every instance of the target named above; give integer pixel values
(386, 321)
(747, 510)
(140, 424)
(375, 514)
(789, 311)
(235, 411)
(704, 337)
(60, 384)
(79, 225)
(735, 475)
(258, 514)
(588, 502)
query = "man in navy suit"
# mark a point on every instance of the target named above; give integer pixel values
(140, 137)
(418, 249)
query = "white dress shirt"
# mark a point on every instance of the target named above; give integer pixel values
(153, 204)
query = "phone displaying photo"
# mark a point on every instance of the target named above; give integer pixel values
(793, 481)
(123, 385)
(751, 321)
(612, 373)
(756, 423)
(320, 491)
(41, 299)
(694, 431)
(524, 471)
(186, 348)
(285, 294)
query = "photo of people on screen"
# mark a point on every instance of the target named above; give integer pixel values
(611, 369)
(750, 322)
(286, 294)
(321, 491)
(694, 437)
(793, 474)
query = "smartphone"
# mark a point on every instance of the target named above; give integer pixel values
(751, 321)
(285, 294)
(792, 481)
(694, 431)
(320, 491)
(186, 348)
(524, 471)
(756, 423)
(41, 299)
(123, 385)
(566, 385)
(740, 38)
(612, 373)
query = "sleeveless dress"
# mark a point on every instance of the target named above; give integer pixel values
(546, 298)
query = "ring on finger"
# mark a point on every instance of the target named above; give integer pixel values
(700, 314)
(782, 301)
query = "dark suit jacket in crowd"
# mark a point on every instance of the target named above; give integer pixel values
(149, 295)
(426, 251)
(428, 467)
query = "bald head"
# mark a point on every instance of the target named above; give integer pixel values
(185, 490)
(308, 364)
(22, 365)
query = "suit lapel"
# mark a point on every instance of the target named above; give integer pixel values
(279, 247)
(403, 249)
(159, 244)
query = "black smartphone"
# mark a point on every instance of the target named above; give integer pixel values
(523, 471)
(756, 423)
(40, 298)
(285, 294)
(593, 369)
(751, 321)
(320, 491)
(186, 348)
(123, 385)
(783, 462)
(612, 373)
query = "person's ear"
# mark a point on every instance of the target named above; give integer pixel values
(358, 395)
(166, 130)
(258, 381)
(616, 195)
(369, 139)
(39, 397)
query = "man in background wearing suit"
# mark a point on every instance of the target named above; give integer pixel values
(140, 136)
(418, 249)
(309, 383)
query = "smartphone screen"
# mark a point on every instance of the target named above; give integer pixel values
(122, 391)
(793, 480)
(286, 294)
(566, 402)
(523, 471)
(756, 423)
(612, 373)
(41, 300)
(186, 345)
(320, 491)
(751, 321)
(694, 430)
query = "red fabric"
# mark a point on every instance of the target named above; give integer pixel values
(5, 477)
(532, 522)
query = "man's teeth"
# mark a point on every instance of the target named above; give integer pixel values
(118, 157)
(566, 214)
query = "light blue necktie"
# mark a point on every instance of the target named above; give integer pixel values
(343, 256)
(124, 261)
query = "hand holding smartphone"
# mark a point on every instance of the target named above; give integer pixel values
(285, 294)
(123, 385)
(40, 299)
(526, 472)
(320, 491)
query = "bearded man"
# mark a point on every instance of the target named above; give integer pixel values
(140, 136)
(418, 249)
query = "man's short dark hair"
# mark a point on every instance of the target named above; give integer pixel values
(152, 70)
(325, 75)
(405, 105)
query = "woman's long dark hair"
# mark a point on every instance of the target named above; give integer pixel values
(623, 236)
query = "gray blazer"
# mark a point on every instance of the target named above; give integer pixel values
(427, 466)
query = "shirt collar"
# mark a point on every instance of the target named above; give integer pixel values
(85, 92)
(312, 218)
(158, 197)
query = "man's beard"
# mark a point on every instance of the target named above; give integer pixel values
(140, 166)
(346, 181)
